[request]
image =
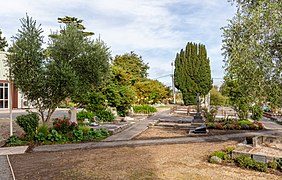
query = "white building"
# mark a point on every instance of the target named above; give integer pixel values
(17, 98)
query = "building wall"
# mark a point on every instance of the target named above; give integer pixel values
(3, 68)
(17, 96)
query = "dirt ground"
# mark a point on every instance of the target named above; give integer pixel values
(156, 132)
(179, 161)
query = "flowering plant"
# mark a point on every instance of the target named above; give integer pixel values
(64, 125)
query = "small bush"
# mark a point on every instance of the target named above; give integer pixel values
(85, 115)
(105, 115)
(29, 124)
(15, 141)
(240, 122)
(63, 125)
(54, 136)
(44, 129)
(146, 109)
(229, 149)
(272, 164)
(220, 154)
(279, 164)
(249, 163)
(84, 129)
(210, 125)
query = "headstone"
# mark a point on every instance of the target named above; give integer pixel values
(73, 111)
(259, 158)
(201, 129)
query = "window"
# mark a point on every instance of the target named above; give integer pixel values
(4, 95)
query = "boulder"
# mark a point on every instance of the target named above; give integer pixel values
(215, 160)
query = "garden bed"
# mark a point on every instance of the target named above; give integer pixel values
(167, 132)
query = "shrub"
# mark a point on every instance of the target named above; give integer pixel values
(64, 125)
(248, 162)
(279, 164)
(210, 116)
(146, 109)
(210, 125)
(15, 141)
(54, 136)
(240, 122)
(105, 115)
(77, 135)
(220, 154)
(44, 129)
(84, 129)
(29, 124)
(272, 164)
(85, 115)
(229, 149)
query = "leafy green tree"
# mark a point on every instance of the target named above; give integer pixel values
(192, 73)
(3, 42)
(71, 65)
(252, 50)
(216, 98)
(133, 66)
(150, 91)
(120, 96)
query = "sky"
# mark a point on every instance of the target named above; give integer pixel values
(153, 29)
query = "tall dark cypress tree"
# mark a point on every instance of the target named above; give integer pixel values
(3, 42)
(192, 72)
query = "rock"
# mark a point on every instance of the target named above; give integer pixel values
(127, 118)
(215, 160)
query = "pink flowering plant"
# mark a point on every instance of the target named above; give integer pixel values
(64, 125)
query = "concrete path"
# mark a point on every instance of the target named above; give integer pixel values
(268, 124)
(5, 172)
(137, 128)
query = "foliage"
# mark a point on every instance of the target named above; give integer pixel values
(244, 122)
(105, 115)
(146, 109)
(129, 68)
(150, 91)
(54, 136)
(120, 96)
(192, 72)
(94, 101)
(29, 123)
(257, 112)
(235, 125)
(15, 141)
(272, 164)
(229, 149)
(252, 49)
(237, 96)
(70, 66)
(85, 115)
(3, 42)
(216, 98)
(222, 155)
(279, 164)
(210, 116)
(249, 163)
(64, 125)
(43, 129)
